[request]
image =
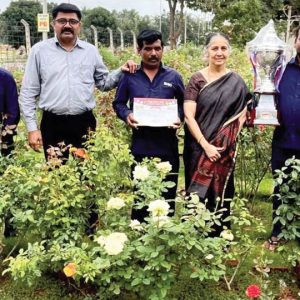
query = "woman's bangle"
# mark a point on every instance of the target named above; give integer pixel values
(200, 139)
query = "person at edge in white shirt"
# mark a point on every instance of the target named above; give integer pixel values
(63, 72)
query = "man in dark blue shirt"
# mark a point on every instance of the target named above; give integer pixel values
(151, 80)
(286, 139)
(9, 111)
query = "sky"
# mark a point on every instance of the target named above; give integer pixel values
(144, 7)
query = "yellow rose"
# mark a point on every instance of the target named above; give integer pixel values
(70, 269)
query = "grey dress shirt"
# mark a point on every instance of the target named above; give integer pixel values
(64, 81)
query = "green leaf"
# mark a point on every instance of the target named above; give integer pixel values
(136, 281)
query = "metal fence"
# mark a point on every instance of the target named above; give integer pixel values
(16, 41)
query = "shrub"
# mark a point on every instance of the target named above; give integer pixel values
(50, 205)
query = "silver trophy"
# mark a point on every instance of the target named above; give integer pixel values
(267, 55)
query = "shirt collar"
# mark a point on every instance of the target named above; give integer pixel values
(79, 43)
(161, 66)
(294, 61)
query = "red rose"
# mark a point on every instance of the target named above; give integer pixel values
(253, 291)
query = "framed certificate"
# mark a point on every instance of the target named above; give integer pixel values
(155, 112)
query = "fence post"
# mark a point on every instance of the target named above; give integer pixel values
(134, 40)
(111, 39)
(122, 39)
(94, 29)
(27, 36)
(45, 11)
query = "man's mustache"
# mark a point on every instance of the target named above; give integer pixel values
(67, 30)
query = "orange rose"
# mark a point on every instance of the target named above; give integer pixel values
(73, 149)
(70, 269)
(81, 153)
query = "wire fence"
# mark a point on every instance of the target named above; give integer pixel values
(16, 41)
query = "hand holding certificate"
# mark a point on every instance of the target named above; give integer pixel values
(155, 112)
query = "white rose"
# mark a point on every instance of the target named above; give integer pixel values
(209, 256)
(164, 167)
(135, 225)
(226, 23)
(115, 203)
(161, 220)
(113, 244)
(227, 235)
(158, 208)
(113, 247)
(101, 240)
(141, 173)
(118, 236)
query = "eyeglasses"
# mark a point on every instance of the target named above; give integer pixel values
(72, 22)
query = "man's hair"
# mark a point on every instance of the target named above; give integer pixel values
(149, 36)
(297, 32)
(66, 8)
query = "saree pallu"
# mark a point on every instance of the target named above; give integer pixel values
(215, 174)
(219, 106)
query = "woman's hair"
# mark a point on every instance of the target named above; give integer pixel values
(210, 36)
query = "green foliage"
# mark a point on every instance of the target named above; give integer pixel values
(52, 202)
(101, 18)
(243, 243)
(11, 17)
(50, 208)
(245, 17)
(253, 160)
(288, 213)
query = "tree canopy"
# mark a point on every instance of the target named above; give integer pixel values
(240, 19)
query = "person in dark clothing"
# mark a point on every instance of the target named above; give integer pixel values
(286, 138)
(9, 119)
(153, 80)
(9, 111)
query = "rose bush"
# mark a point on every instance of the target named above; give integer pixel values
(51, 205)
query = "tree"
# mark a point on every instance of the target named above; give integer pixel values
(242, 19)
(12, 31)
(11, 17)
(205, 5)
(101, 18)
(174, 34)
(127, 21)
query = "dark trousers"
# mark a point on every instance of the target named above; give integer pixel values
(8, 141)
(69, 129)
(279, 156)
(141, 214)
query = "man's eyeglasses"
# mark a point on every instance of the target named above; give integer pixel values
(72, 22)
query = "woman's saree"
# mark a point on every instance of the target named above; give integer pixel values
(220, 106)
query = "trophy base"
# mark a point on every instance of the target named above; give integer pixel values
(266, 113)
(262, 121)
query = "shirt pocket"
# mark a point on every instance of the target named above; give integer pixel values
(167, 91)
(86, 72)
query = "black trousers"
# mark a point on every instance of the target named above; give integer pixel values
(141, 214)
(279, 156)
(70, 129)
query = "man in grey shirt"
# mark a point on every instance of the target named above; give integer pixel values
(62, 72)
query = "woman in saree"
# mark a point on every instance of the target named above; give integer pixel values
(215, 109)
